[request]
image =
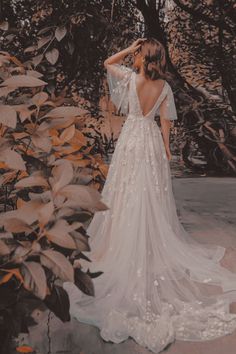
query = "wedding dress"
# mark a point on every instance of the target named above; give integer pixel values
(158, 283)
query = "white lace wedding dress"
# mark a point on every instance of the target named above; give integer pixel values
(158, 284)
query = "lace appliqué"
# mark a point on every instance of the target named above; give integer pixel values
(156, 331)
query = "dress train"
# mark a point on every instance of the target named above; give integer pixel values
(158, 283)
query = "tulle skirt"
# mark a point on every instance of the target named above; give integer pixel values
(158, 283)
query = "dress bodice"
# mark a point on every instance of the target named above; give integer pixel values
(123, 93)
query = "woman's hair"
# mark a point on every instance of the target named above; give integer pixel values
(155, 66)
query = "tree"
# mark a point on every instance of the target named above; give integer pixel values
(200, 47)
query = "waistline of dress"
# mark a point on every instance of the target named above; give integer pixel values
(140, 117)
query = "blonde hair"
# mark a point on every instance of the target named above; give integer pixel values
(154, 64)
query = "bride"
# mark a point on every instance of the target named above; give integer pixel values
(158, 283)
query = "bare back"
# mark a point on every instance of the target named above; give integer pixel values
(148, 92)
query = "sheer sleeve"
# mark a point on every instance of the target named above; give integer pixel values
(167, 109)
(118, 77)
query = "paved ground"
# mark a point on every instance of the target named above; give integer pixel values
(206, 207)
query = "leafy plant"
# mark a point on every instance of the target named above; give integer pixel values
(68, 40)
(50, 184)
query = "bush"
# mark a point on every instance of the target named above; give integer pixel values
(49, 181)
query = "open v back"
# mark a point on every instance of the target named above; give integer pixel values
(123, 93)
(135, 106)
(138, 99)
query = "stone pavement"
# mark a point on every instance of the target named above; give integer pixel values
(207, 209)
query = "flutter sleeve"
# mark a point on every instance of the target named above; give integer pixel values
(167, 108)
(118, 77)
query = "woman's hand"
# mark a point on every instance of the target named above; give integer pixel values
(117, 57)
(135, 45)
(168, 153)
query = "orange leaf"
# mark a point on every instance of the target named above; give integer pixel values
(79, 137)
(16, 225)
(95, 173)
(25, 349)
(20, 202)
(71, 157)
(83, 162)
(30, 127)
(16, 61)
(14, 271)
(104, 169)
(68, 133)
(20, 135)
(98, 159)
(2, 130)
(96, 185)
(53, 132)
(9, 176)
(70, 149)
(3, 165)
(62, 122)
(6, 278)
(88, 149)
(57, 154)
(23, 174)
(56, 141)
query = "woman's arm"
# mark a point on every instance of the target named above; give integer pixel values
(118, 78)
(117, 57)
(168, 114)
(165, 127)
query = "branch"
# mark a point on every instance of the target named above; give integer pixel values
(201, 16)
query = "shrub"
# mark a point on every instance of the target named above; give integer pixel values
(49, 191)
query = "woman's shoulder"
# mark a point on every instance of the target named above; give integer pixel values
(169, 87)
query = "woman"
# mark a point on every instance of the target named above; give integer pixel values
(158, 284)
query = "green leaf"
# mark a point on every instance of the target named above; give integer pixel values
(8, 116)
(84, 282)
(81, 241)
(60, 33)
(4, 249)
(95, 274)
(64, 111)
(23, 81)
(58, 264)
(34, 279)
(58, 302)
(59, 234)
(52, 56)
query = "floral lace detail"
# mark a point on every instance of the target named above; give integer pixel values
(155, 334)
(157, 331)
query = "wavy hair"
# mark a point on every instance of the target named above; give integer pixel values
(155, 66)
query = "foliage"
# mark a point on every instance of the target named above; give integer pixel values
(200, 41)
(50, 181)
(68, 40)
(202, 46)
